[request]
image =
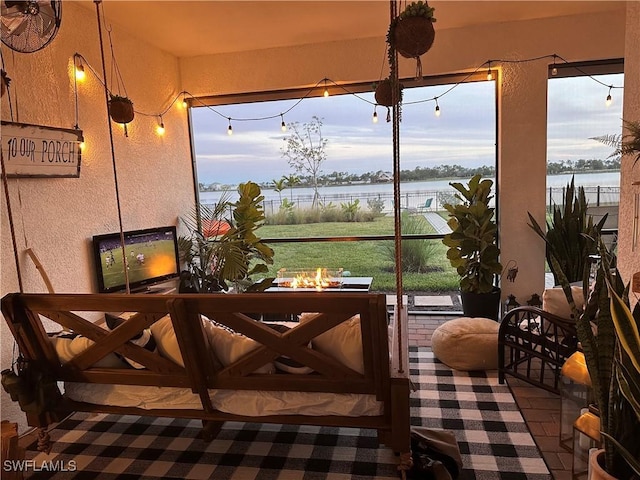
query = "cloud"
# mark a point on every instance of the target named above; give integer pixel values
(464, 133)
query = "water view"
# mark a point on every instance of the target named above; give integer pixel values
(602, 188)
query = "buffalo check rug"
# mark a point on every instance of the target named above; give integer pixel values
(492, 436)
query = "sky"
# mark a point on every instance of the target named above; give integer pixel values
(463, 134)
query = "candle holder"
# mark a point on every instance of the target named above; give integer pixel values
(575, 396)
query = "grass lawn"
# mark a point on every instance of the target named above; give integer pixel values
(361, 259)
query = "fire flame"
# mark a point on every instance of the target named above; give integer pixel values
(320, 281)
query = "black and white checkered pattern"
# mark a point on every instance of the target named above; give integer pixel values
(492, 435)
(493, 439)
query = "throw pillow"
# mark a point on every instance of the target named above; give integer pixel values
(554, 301)
(144, 339)
(343, 342)
(284, 363)
(165, 337)
(228, 346)
(68, 345)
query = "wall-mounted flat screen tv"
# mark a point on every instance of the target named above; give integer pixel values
(151, 257)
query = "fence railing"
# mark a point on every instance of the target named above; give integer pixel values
(432, 200)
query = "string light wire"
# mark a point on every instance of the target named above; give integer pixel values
(327, 81)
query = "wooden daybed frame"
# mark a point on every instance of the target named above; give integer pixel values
(83, 313)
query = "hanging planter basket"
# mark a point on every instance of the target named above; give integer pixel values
(413, 36)
(383, 93)
(121, 109)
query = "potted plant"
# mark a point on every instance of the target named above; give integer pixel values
(223, 253)
(569, 235)
(384, 92)
(473, 249)
(610, 339)
(411, 33)
(120, 108)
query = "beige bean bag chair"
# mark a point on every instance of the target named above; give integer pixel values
(467, 343)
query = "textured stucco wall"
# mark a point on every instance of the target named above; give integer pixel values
(630, 256)
(58, 217)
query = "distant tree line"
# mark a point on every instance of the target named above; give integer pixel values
(582, 166)
(419, 174)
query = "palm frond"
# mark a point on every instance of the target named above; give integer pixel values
(624, 143)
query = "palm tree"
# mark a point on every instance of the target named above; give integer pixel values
(278, 186)
(624, 143)
(292, 180)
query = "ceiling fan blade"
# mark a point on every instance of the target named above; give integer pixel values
(14, 24)
(28, 26)
(46, 18)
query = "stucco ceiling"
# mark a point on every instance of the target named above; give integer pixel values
(205, 27)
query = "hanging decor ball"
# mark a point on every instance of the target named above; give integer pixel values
(414, 36)
(384, 95)
(411, 33)
(120, 109)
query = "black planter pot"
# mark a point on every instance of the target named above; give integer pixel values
(485, 305)
(120, 110)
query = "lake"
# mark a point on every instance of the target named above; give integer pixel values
(603, 187)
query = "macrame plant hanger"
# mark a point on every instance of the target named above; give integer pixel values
(5, 184)
(400, 311)
(113, 155)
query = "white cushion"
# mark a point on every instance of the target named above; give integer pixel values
(467, 343)
(165, 337)
(554, 301)
(67, 348)
(229, 346)
(343, 342)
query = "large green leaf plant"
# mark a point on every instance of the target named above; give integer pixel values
(473, 249)
(609, 335)
(222, 251)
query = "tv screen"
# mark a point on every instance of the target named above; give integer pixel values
(151, 258)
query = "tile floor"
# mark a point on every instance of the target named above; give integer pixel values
(541, 409)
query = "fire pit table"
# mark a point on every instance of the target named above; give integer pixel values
(320, 280)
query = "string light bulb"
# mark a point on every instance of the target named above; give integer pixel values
(489, 74)
(82, 145)
(184, 102)
(283, 126)
(608, 101)
(326, 90)
(230, 129)
(437, 110)
(554, 70)
(80, 73)
(375, 115)
(160, 127)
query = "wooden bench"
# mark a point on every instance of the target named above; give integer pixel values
(31, 316)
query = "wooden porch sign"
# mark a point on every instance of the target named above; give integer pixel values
(40, 151)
